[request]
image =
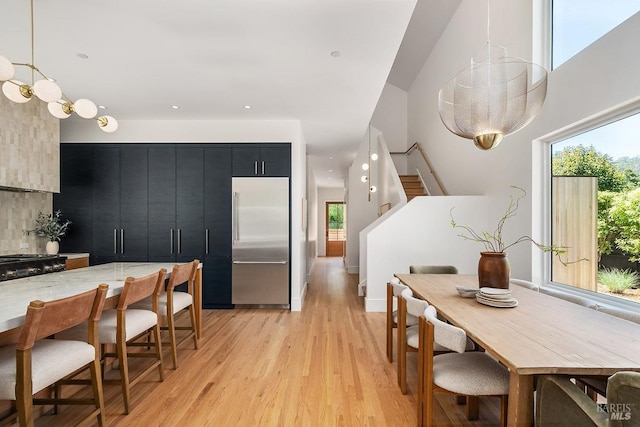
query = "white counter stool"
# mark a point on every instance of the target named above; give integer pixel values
(172, 302)
(35, 362)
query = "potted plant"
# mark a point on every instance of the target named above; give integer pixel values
(493, 267)
(53, 228)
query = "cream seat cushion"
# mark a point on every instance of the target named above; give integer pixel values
(471, 374)
(51, 361)
(136, 321)
(181, 300)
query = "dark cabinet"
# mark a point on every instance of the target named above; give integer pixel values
(261, 160)
(104, 194)
(119, 204)
(160, 202)
(75, 199)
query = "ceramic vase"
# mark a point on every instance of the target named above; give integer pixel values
(494, 270)
(52, 247)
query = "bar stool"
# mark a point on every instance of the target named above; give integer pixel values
(172, 302)
(35, 363)
(124, 326)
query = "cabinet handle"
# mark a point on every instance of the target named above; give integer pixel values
(263, 167)
(255, 167)
(234, 217)
(115, 241)
(179, 240)
(206, 241)
(171, 241)
(122, 240)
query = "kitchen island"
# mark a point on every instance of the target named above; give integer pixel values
(15, 295)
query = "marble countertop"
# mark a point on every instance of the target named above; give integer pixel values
(15, 295)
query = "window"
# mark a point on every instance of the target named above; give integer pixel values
(577, 24)
(595, 209)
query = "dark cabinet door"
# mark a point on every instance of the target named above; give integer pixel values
(75, 199)
(162, 203)
(133, 203)
(275, 161)
(216, 283)
(190, 237)
(260, 160)
(246, 159)
(216, 286)
(106, 204)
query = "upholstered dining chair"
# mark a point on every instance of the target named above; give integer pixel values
(433, 269)
(469, 373)
(35, 363)
(171, 302)
(407, 336)
(394, 289)
(124, 327)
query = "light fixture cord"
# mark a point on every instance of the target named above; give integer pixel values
(32, 48)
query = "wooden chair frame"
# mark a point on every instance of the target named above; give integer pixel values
(134, 290)
(426, 387)
(179, 275)
(44, 319)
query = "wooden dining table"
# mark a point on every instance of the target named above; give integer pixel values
(541, 335)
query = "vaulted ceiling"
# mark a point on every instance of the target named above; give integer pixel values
(323, 62)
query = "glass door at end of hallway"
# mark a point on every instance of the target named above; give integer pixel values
(336, 229)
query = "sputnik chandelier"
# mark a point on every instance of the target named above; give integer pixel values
(44, 88)
(494, 97)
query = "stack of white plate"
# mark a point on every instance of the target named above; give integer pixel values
(467, 292)
(496, 297)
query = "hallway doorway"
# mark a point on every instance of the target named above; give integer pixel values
(336, 230)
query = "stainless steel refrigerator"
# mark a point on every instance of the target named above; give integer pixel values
(260, 233)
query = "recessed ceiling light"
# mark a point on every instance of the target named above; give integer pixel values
(330, 170)
(247, 107)
(175, 107)
(330, 157)
(83, 56)
(102, 107)
(335, 53)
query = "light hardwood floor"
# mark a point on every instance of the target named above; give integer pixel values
(324, 366)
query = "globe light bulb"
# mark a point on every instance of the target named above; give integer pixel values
(85, 108)
(365, 166)
(364, 178)
(6, 69)
(17, 91)
(108, 124)
(374, 156)
(47, 90)
(56, 109)
(373, 189)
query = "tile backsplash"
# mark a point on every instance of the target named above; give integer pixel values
(18, 212)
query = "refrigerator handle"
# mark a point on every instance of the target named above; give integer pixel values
(263, 167)
(171, 241)
(206, 241)
(179, 240)
(115, 241)
(255, 167)
(122, 240)
(234, 216)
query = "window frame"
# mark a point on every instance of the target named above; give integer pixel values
(624, 110)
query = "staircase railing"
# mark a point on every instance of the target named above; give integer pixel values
(429, 168)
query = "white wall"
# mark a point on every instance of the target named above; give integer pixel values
(390, 117)
(312, 222)
(177, 131)
(601, 77)
(420, 233)
(326, 195)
